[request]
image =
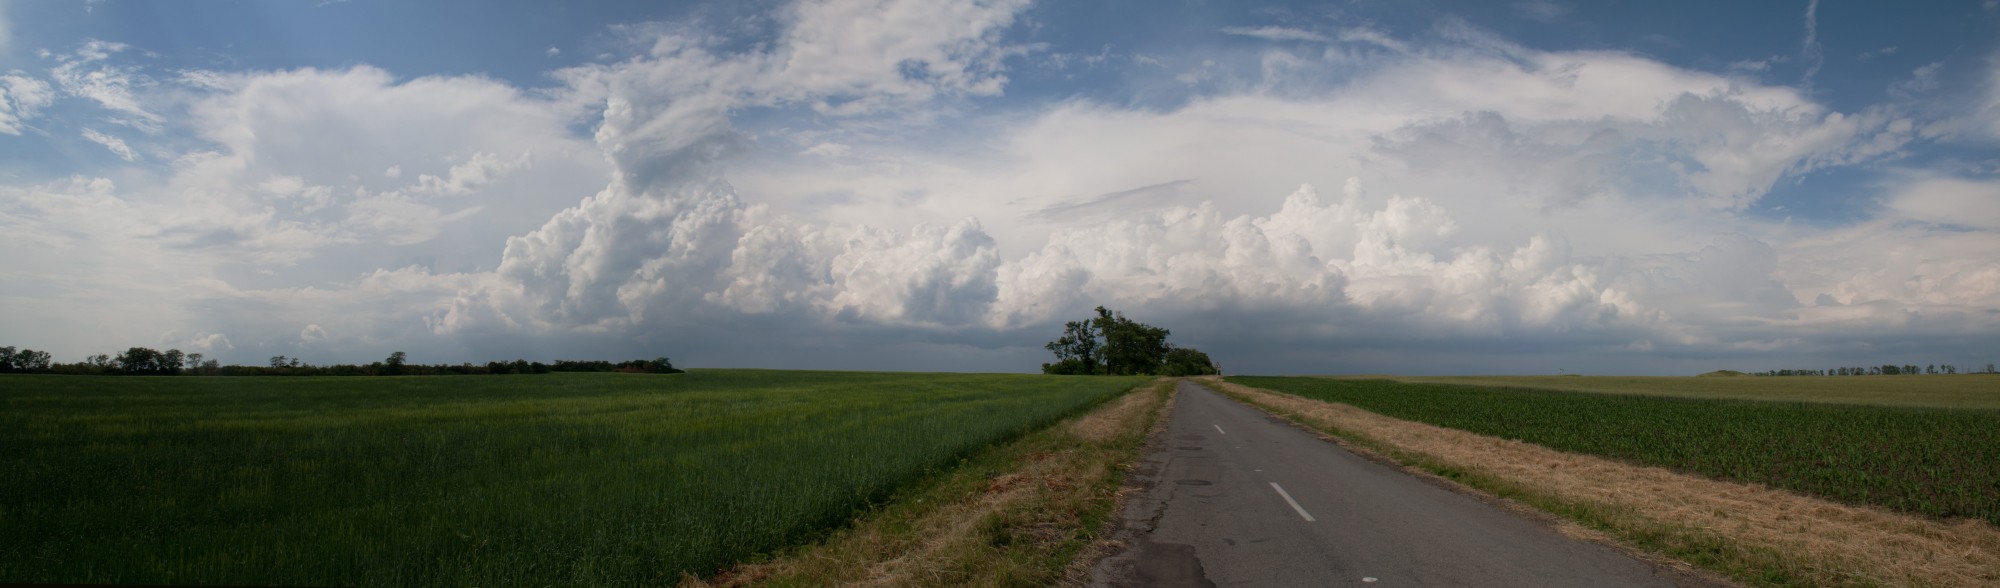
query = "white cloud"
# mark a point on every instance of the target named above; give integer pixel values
(1990, 111)
(1277, 33)
(1923, 80)
(1868, 55)
(902, 50)
(116, 145)
(317, 128)
(1810, 50)
(82, 272)
(1590, 202)
(203, 343)
(1948, 201)
(552, 52)
(1542, 10)
(1757, 64)
(668, 236)
(87, 74)
(1357, 34)
(827, 149)
(21, 98)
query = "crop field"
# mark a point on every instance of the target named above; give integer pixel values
(1954, 391)
(1936, 462)
(585, 479)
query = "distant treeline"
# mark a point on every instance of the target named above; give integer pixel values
(1877, 370)
(141, 361)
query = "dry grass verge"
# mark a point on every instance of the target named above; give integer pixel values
(1016, 515)
(1752, 533)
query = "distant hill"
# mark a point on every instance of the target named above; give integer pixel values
(1723, 374)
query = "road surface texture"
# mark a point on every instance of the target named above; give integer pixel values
(1231, 496)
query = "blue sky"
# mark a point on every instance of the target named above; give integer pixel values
(1367, 186)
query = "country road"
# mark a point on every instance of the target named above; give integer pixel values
(1235, 497)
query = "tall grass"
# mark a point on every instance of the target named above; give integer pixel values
(503, 480)
(1936, 462)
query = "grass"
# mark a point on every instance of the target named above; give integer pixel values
(500, 480)
(1026, 513)
(1934, 462)
(1954, 391)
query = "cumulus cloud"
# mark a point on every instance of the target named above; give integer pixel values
(204, 343)
(276, 194)
(668, 237)
(1468, 195)
(21, 98)
(1588, 197)
(304, 135)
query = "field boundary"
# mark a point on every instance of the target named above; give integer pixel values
(1029, 511)
(1750, 533)
(1957, 392)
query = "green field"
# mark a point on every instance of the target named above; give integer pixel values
(582, 479)
(1954, 391)
(1930, 461)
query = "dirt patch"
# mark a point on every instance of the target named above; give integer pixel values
(1749, 531)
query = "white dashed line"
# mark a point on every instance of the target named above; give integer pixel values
(1218, 429)
(1294, 503)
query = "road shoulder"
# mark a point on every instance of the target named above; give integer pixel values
(1720, 529)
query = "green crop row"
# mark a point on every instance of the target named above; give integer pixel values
(582, 479)
(1936, 462)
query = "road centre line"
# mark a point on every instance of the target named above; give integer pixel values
(1218, 429)
(1294, 503)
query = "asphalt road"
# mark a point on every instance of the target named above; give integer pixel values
(1235, 497)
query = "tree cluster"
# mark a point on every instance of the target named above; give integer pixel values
(24, 360)
(1110, 344)
(1877, 370)
(142, 361)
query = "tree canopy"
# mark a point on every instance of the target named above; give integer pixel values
(1110, 344)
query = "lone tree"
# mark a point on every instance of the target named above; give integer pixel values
(394, 365)
(1111, 344)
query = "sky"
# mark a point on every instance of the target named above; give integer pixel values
(1421, 187)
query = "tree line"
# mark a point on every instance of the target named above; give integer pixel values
(1110, 344)
(1878, 370)
(143, 361)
